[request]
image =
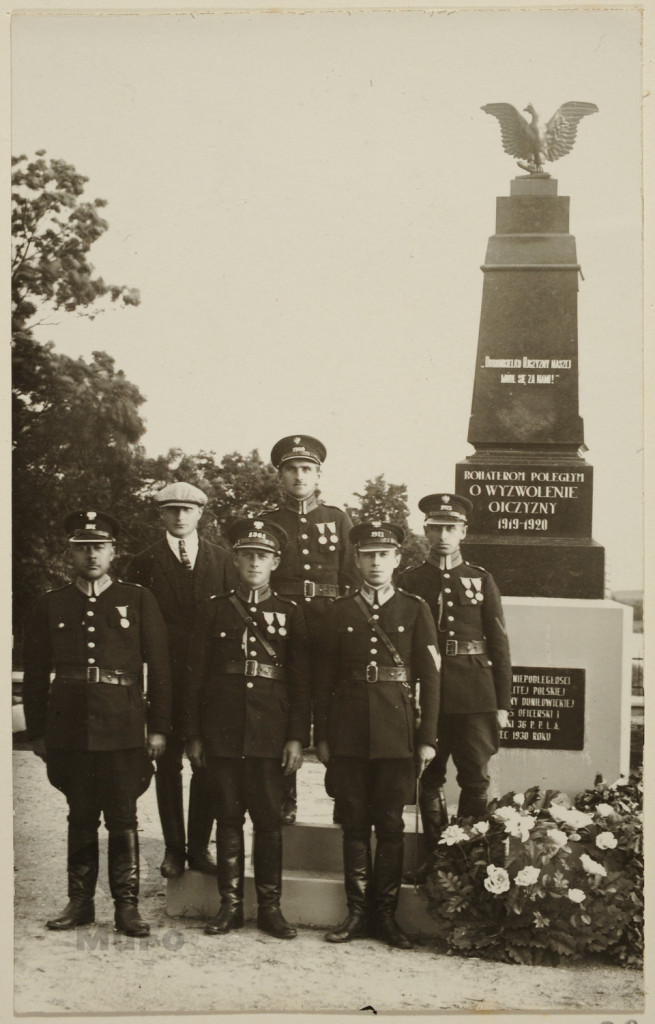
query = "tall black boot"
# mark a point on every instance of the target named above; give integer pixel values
(434, 818)
(471, 804)
(171, 815)
(387, 876)
(268, 885)
(289, 799)
(357, 869)
(124, 882)
(230, 855)
(82, 877)
(200, 824)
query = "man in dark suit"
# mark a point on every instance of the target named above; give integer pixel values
(248, 717)
(89, 724)
(182, 569)
(376, 644)
(476, 666)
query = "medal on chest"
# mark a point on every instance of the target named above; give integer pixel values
(472, 589)
(276, 622)
(327, 535)
(122, 611)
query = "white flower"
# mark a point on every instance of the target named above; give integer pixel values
(592, 867)
(516, 824)
(453, 834)
(606, 841)
(557, 837)
(497, 880)
(519, 798)
(576, 895)
(481, 827)
(574, 837)
(527, 876)
(570, 816)
(604, 810)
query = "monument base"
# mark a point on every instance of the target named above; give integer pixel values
(531, 567)
(574, 672)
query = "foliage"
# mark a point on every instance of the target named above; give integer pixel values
(538, 880)
(53, 230)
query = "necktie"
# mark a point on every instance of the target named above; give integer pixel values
(184, 558)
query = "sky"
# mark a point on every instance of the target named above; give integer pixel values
(304, 202)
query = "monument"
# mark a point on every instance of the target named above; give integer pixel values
(532, 489)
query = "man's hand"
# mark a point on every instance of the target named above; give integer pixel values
(323, 751)
(155, 745)
(424, 755)
(38, 748)
(502, 717)
(291, 756)
(195, 752)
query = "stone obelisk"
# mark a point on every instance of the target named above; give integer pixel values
(530, 486)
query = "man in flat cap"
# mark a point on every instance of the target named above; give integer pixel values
(318, 562)
(89, 725)
(476, 666)
(376, 644)
(248, 711)
(182, 569)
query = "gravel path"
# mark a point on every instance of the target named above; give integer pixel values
(180, 970)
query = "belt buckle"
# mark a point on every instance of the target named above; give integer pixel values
(451, 647)
(371, 673)
(251, 667)
(92, 674)
(308, 588)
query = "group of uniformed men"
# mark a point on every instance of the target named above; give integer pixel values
(304, 616)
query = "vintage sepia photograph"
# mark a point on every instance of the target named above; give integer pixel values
(327, 512)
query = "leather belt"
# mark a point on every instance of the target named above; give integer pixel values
(309, 589)
(95, 674)
(466, 646)
(250, 667)
(382, 674)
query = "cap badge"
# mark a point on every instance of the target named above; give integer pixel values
(296, 440)
(258, 524)
(445, 497)
(376, 523)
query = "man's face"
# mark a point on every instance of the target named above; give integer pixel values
(91, 561)
(377, 566)
(255, 566)
(445, 538)
(181, 520)
(299, 477)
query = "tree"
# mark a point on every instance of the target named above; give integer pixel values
(388, 503)
(53, 231)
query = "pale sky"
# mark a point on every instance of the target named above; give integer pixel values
(304, 202)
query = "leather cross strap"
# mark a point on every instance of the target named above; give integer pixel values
(377, 628)
(252, 626)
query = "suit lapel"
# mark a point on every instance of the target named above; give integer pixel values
(166, 560)
(200, 570)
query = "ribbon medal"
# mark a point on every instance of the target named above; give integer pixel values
(328, 535)
(276, 622)
(122, 611)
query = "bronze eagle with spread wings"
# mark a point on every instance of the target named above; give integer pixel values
(534, 142)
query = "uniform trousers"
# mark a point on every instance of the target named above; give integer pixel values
(471, 740)
(240, 784)
(372, 793)
(95, 781)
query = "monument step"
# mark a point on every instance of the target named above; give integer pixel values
(318, 848)
(309, 898)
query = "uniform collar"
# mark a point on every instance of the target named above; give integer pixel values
(301, 508)
(377, 595)
(446, 561)
(253, 596)
(93, 588)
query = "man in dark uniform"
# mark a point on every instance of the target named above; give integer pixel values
(89, 725)
(248, 712)
(182, 569)
(318, 563)
(376, 644)
(476, 667)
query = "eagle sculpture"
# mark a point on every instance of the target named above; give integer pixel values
(534, 142)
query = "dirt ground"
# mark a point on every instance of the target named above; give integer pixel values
(180, 970)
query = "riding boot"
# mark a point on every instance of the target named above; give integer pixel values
(289, 799)
(230, 856)
(434, 817)
(268, 885)
(124, 882)
(387, 876)
(357, 870)
(82, 877)
(168, 787)
(200, 825)
(471, 804)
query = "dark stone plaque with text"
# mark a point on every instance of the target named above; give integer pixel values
(547, 711)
